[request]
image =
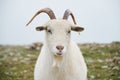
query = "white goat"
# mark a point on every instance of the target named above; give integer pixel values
(60, 57)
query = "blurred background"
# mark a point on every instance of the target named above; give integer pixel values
(100, 18)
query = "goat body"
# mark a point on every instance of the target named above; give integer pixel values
(70, 67)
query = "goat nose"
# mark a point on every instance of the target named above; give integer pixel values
(60, 48)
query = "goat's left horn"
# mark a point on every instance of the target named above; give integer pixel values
(66, 15)
(45, 10)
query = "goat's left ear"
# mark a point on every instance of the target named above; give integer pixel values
(77, 28)
(40, 28)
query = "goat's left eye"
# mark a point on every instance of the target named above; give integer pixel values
(49, 31)
(69, 32)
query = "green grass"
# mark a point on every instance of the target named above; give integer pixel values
(17, 63)
(103, 61)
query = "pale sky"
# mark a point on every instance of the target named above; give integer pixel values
(100, 18)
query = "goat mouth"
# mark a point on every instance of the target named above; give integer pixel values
(59, 53)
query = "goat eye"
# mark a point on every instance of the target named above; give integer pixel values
(49, 31)
(69, 32)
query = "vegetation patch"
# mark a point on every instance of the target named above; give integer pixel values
(103, 61)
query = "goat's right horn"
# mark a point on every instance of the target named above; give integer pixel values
(66, 15)
(45, 10)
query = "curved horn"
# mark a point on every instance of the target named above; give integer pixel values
(45, 10)
(66, 15)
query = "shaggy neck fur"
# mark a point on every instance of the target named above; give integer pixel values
(58, 61)
(70, 66)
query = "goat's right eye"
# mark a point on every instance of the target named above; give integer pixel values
(49, 31)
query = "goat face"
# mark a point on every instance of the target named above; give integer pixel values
(58, 34)
(57, 31)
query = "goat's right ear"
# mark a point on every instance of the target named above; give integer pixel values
(40, 28)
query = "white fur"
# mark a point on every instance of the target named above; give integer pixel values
(70, 65)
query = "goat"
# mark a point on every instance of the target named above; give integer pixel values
(60, 58)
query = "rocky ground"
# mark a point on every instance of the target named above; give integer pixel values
(103, 61)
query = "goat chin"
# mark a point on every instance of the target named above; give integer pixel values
(57, 61)
(56, 64)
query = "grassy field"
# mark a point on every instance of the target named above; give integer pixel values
(103, 61)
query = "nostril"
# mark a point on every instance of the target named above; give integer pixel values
(60, 47)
